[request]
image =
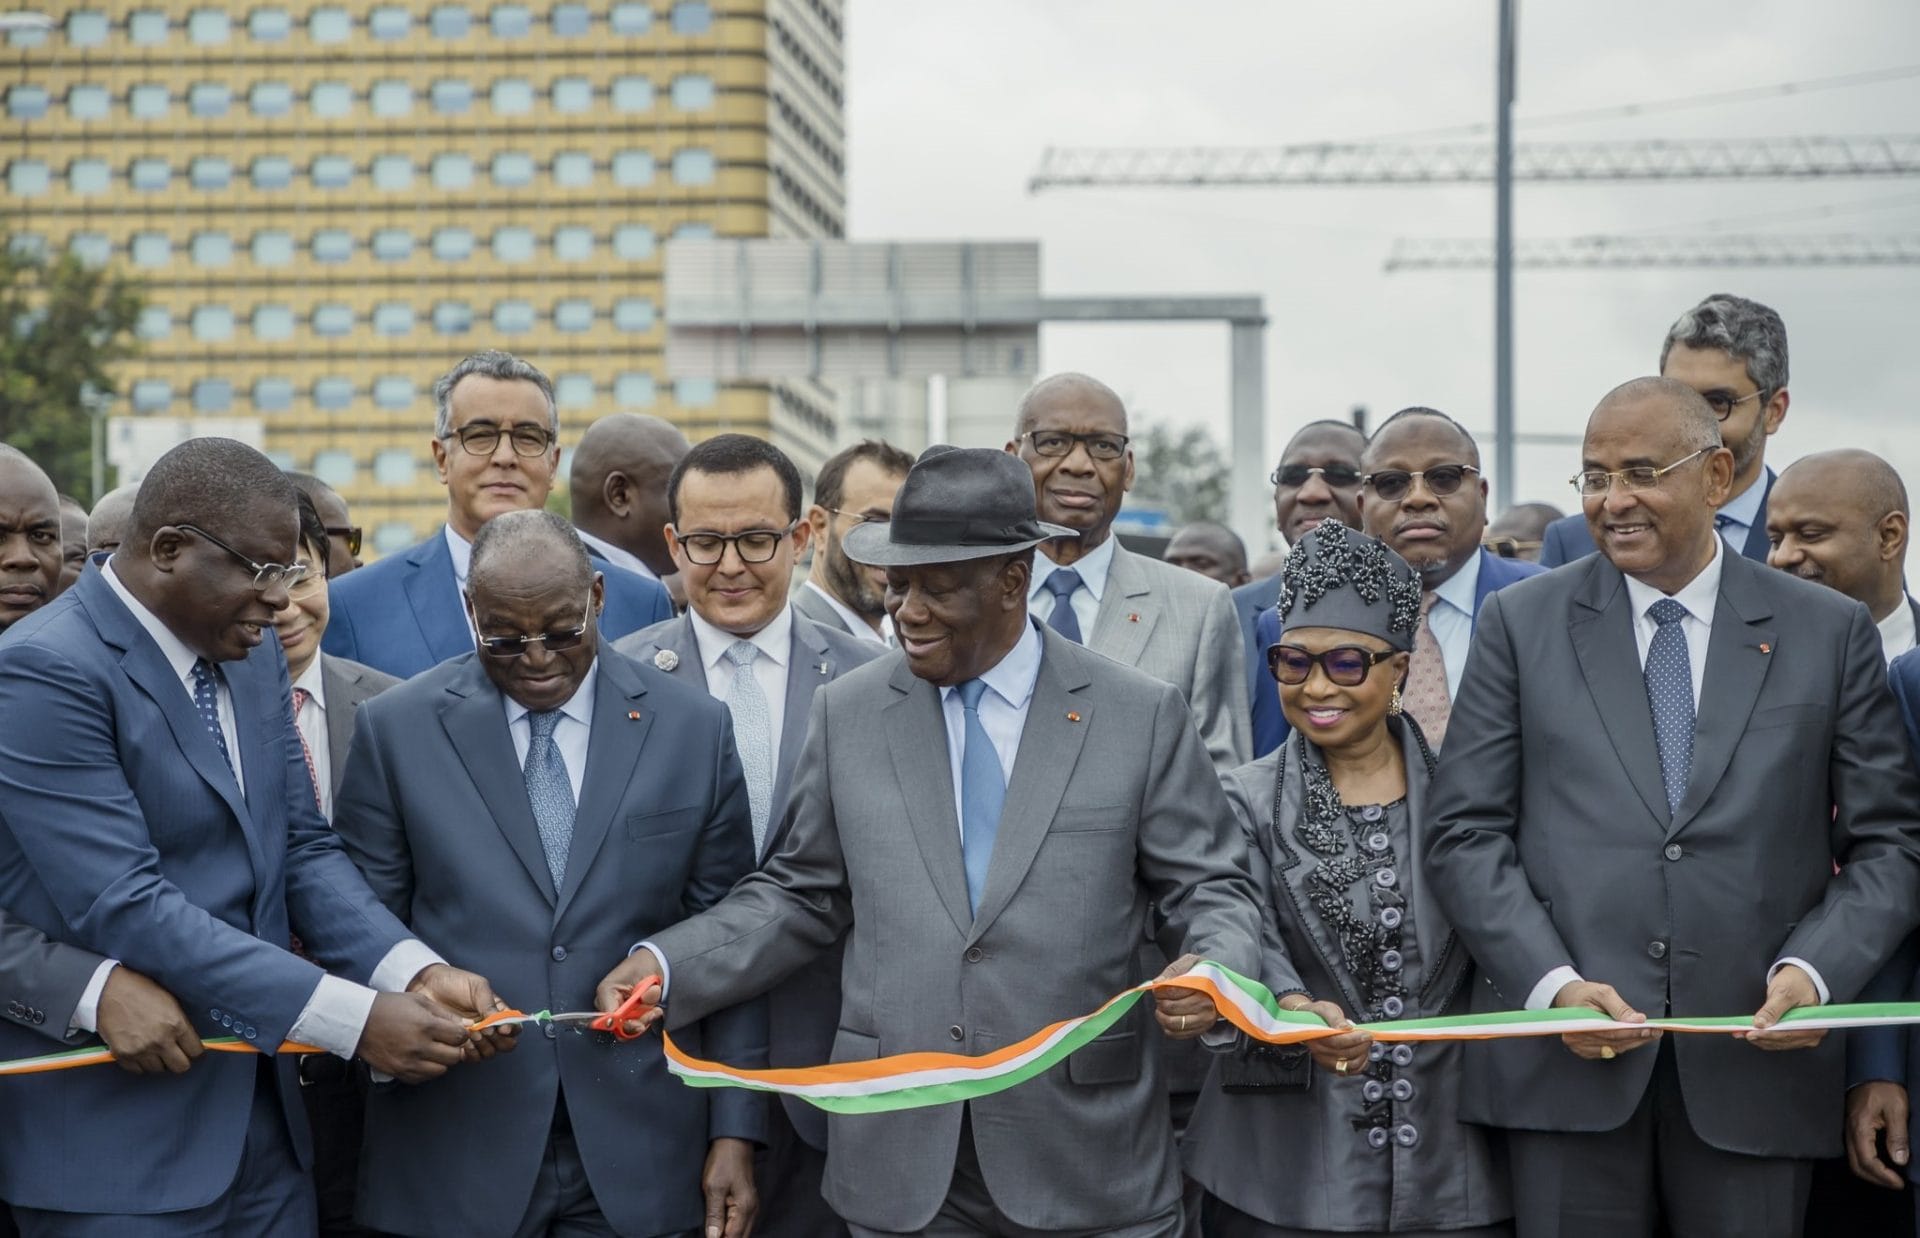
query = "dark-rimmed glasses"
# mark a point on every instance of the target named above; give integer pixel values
(1724, 402)
(1640, 477)
(483, 439)
(552, 642)
(1511, 547)
(1337, 476)
(265, 575)
(1346, 665)
(351, 532)
(1442, 480)
(1055, 443)
(753, 546)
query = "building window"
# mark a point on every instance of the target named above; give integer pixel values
(513, 244)
(271, 25)
(329, 25)
(573, 390)
(452, 171)
(88, 176)
(631, 94)
(332, 245)
(573, 315)
(210, 172)
(389, 22)
(212, 395)
(272, 322)
(633, 242)
(209, 99)
(510, 21)
(633, 314)
(452, 317)
(152, 395)
(148, 101)
(332, 319)
(450, 21)
(393, 467)
(452, 244)
(512, 96)
(147, 27)
(212, 323)
(208, 27)
(570, 21)
(334, 465)
(633, 168)
(512, 169)
(87, 28)
(331, 171)
(513, 317)
(271, 172)
(631, 17)
(392, 535)
(393, 391)
(392, 173)
(393, 245)
(27, 178)
(633, 391)
(27, 36)
(451, 96)
(156, 323)
(570, 94)
(270, 99)
(211, 249)
(92, 248)
(332, 394)
(88, 102)
(573, 244)
(27, 102)
(272, 248)
(149, 175)
(150, 249)
(392, 318)
(692, 17)
(694, 392)
(272, 395)
(330, 100)
(390, 99)
(693, 92)
(693, 166)
(573, 169)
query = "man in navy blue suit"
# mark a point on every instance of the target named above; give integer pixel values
(1734, 352)
(1422, 494)
(156, 809)
(496, 444)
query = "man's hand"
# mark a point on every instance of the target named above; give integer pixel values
(472, 999)
(411, 1037)
(727, 1182)
(1345, 1056)
(1183, 1013)
(639, 969)
(143, 1026)
(1598, 1046)
(1872, 1108)
(1790, 989)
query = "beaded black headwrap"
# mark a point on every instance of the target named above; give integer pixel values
(1336, 577)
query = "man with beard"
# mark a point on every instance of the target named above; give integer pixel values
(1734, 353)
(854, 487)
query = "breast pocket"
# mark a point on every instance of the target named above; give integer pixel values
(1091, 820)
(646, 826)
(854, 1046)
(1789, 715)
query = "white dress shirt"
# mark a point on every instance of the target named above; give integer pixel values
(1735, 520)
(856, 623)
(335, 1016)
(570, 734)
(462, 551)
(1092, 566)
(312, 724)
(616, 556)
(1700, 596)
(1452, 621)
(1003, 709)
(775, 645)
(1896, 631)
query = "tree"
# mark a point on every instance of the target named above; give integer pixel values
(65, 325)
(1183, 471)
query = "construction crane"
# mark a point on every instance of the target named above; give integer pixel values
(1649, 252)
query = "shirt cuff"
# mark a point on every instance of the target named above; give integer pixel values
(1812, 973)
(405, 961)
(335, 1017)
(1549, 987)
(666, 972)
(86, 1015)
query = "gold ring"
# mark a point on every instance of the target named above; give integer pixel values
(1341, 1066)
(1606, 1053)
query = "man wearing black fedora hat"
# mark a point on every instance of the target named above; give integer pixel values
(990, 874)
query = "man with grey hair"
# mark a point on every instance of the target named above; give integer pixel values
(1734, 353)
(107, 522)
(496, 447)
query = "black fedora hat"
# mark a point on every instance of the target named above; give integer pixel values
(957, 503)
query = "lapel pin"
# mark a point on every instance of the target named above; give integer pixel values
(666, 659)
(1072, 717)
(1133, 618)
(824, 669)
(633, 715)
(1765, 648)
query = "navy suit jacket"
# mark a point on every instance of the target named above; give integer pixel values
(434, 809)
(1567, 538)
(1270, 725)
(402, 614)
(1250, 601)
(123, 831)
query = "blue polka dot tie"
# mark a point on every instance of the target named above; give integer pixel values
(206, 699)
(1061, 583)
(550, 792)
(983, 791)
(1669, 676)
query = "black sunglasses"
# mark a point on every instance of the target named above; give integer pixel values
(1346, 665)
(351, 532)
(1295, 476)
(1442, 480)
(552, 642)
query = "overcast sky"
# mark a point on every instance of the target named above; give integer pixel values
(949, 107)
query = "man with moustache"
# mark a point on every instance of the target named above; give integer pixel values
(30, 548)
(1839, 519)
(1318, 478)
(1734, 353)
(618, 484)
(1211, 549)
(853, 487)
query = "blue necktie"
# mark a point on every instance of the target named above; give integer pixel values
(550, 792)
(206, 699)
(752, 734)
(1669, 675)
(1061, 583)
(983, 789)
(1722, 525)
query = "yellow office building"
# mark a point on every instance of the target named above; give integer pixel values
(330, 203)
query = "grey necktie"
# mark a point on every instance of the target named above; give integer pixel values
(753, 733)
(1061, 582)
(1669, 675)
(550, 792)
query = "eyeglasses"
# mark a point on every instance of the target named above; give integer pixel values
(265, 575)
(1510, 547)
(1441, 480)
(1060, 443)
(310, 582)
(1346, 665)
(858, 517)
(1339, 476)
(754, 546)
(1640, 477)
(1723, 402)
(482, 439)
(351, 532)
(552, 642)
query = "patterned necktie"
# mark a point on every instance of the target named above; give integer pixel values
(1061, 583)
(1669, 675)
(752, 734)
(206, 699)
(983, 789)
(300, 699)
(1427, 697)
(550, 792)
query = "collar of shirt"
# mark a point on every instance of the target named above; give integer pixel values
(462, 551)
(616, 556)
(1699, 595)
(1012, 678)
(579, 706)
(1458, 589)
(1092, 566)
(775, 640)
(1744, 508)
(856, 622)
(313, 683)
(178, 656)
(1897, 630)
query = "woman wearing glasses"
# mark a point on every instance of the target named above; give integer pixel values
(1347, 1135)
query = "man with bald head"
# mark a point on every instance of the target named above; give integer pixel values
(107, 522)
(1071, 432)
(1658, 757)
(1839, 519)
(73, 543)
(1211, 549)
(1516, 533)
(30, 549)
(619, 487)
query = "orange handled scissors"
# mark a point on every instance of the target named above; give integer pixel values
(616, 1020)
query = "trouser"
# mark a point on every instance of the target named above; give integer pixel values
(788, 1173)
(1653, 1174)
(334, 1092)
(562, 1204)
(1223, 1220)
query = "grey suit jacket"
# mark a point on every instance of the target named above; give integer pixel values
(815, 607)
(1112, 804)
(803, 1009)
(348, 686)
(1552, 843)
(1179, 627)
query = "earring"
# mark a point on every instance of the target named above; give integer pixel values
(1394, 707)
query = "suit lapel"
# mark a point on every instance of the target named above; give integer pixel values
(343, 699)
(476, 722)
(1050, 745)
(1602, 631)
(1739, 651)
(614, 758)
(1757, 545)
(433, 593)
(809, 665)
(917, 738)
(1128, 612)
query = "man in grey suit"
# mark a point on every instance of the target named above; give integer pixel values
(986, 816)
(1599, 842)
(735, 531)
(853, 487)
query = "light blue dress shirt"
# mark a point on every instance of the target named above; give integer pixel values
(1093, 568)
(1003, 710)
